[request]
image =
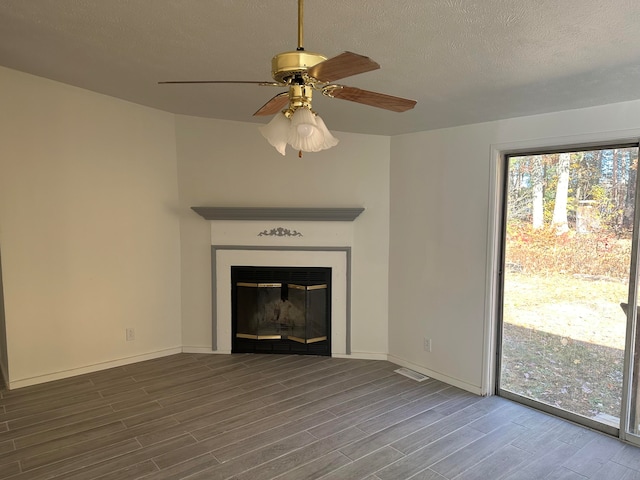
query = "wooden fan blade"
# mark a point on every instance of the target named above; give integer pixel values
(273, 106)
(341, 66)
(219, 81)
(374, 99)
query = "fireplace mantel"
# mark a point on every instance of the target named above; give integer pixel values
(279, 213)
(323, 238)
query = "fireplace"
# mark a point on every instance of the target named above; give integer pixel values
(284, 310)
(282, 237)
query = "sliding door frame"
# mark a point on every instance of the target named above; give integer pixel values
(629, 397)
(500, 154)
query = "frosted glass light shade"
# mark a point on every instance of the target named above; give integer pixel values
(304, 133)
(277, 132)
(329, 140)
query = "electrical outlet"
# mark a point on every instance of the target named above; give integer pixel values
(427, 344)
(131, 334)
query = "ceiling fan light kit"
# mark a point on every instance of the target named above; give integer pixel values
(301, 72)
(298, 126)
(304, 131)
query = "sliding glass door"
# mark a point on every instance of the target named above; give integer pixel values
(568, 276)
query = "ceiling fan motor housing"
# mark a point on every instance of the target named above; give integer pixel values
(288, 65)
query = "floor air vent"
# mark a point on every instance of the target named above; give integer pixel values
(418, 377)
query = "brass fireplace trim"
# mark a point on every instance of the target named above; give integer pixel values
(259, 337)
(246, 335)
(308, 340)
(307, 287)
(280, 337)
(259, 285)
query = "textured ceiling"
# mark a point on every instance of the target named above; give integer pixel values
(464, 61)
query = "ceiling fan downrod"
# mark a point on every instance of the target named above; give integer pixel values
(300, 25)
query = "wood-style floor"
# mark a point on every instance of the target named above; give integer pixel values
(257, 417)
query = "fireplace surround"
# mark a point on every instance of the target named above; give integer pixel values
(281, 237)
(337, 259)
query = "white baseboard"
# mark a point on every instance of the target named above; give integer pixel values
(355, 355)
(25, 382)
(475, 389)
(362, 356)
(206, 350)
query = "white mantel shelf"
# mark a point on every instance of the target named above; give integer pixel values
(278, 213)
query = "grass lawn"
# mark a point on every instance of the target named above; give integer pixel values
(563, 341)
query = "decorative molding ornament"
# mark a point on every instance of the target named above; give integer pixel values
(280, 232)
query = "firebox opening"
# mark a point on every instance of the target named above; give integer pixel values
(281, 310)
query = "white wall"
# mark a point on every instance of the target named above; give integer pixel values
(225, 163)
(97, 235)
(89, 229)
(441, 212)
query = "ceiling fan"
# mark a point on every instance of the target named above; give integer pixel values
(302, 72)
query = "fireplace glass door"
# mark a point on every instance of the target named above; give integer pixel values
(281, 310)
(261, 313)
(309, 308)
